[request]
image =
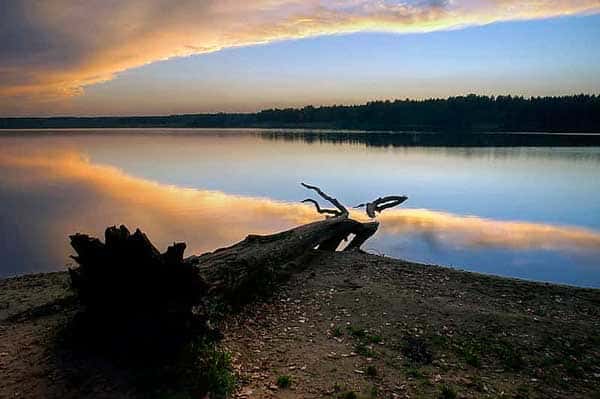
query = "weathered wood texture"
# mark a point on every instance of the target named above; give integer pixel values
(233, 272)
(127, 271)
(126, 275)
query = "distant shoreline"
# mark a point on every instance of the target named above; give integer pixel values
(471, 113)
(7, 124)
(293, 130)
(378, 138)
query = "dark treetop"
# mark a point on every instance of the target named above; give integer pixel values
(472, 113)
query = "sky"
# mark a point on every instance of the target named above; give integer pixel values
(151, 57)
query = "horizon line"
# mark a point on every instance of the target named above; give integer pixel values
(493, 97)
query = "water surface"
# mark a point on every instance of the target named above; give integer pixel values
(527, 212)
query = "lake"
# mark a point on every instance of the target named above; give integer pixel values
(525, 212)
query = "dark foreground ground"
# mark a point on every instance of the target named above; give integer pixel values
(351, 325)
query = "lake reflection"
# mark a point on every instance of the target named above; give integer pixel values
(537, 212)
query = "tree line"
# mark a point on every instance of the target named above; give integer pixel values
(574, 113)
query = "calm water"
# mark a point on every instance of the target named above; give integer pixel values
(527, 212)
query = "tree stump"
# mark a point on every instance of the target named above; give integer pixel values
(127, 283)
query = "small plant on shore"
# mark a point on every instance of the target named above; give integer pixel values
(337, 332)
(284, 381)
(371, 371)
(357, 332)
(478, 384)
(363, 340)
(417, 350)
(364, 350)
(413, 372)
(471, 357)
(219, 374)
(438, 340)
(509, 356)
(374, 391)
(573, 368)
(348, 395)
(201, 367)
(374, 339)
(448, 392)
(505, 352)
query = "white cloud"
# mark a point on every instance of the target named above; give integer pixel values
(55, 48)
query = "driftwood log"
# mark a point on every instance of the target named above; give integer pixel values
(128, 279)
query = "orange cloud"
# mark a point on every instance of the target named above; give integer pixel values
(210, 219)
(53, 49)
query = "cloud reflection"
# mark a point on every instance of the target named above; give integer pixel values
(104, 195)
(48, 194)
(472, 231)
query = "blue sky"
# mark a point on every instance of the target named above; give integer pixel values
(531, 57)
(545, 57)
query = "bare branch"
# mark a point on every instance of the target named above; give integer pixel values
(333, 212)
(382, 203)
(389, 202)
(333, 201)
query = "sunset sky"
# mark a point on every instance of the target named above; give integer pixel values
(109, 57)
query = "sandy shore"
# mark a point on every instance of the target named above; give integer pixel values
(350, 324)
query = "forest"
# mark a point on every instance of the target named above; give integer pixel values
(471, 113)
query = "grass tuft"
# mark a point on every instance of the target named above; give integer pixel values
(284, 381)
(371, 371)
(448, 392)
